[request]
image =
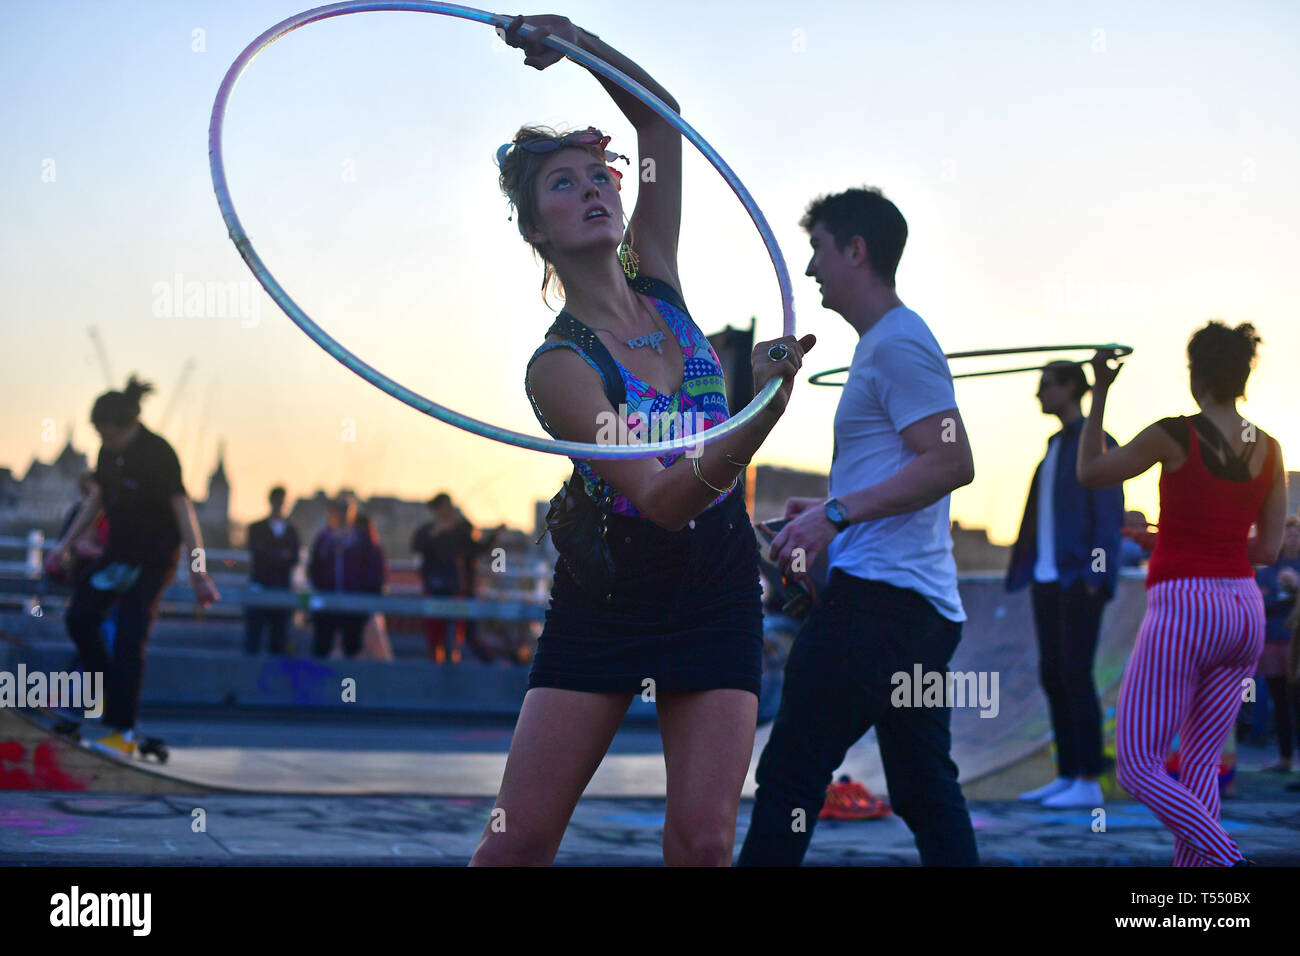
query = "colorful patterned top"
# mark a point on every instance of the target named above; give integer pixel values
(697, 406)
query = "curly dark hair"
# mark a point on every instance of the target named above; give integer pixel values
(1221, 358)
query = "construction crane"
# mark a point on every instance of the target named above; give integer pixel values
(196, 442)
(102, 354)
(179, 388)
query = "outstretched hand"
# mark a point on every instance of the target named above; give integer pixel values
(538, 55)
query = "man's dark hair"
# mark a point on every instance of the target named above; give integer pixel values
(1064, 372)
(867, 213)
(439, 500)
(277, 492)
(1221, 358)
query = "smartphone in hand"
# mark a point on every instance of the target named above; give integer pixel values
(801, 590)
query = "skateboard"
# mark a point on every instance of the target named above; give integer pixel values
(146, 747)
(152, 747)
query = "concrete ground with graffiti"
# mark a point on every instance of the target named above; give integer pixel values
(295, 735)
(265, 770)
(49, 828)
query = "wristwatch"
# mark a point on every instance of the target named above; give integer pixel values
(837, 514)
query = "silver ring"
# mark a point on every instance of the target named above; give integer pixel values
(778, 352)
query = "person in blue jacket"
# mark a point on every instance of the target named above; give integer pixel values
(1069, 550)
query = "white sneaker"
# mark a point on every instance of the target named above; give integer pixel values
(1080, 793)
(1051, 789)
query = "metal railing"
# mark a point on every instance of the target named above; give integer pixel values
(22, 582)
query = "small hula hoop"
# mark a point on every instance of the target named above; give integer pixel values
(396, 389)
(819, 378)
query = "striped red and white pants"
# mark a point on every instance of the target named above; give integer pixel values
(1198, 646)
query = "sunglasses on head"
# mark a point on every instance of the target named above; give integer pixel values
(589, 139)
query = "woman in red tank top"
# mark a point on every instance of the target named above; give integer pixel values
(1203, 630)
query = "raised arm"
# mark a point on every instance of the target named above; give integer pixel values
(1098, 466)
(656, 220)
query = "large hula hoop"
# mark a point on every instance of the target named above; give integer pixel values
(396, 389)
(818, 378)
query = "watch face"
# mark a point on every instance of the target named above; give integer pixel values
(837, 513)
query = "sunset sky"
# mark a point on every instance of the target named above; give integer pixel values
(1084, 172)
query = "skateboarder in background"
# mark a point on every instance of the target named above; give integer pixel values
(137, 483)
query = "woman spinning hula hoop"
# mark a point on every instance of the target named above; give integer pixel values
(682, 619)
(1204, 625)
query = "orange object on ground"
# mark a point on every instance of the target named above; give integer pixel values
(847, 799)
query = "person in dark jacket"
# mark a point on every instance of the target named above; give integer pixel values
(374, 634)
(272, 556)
(1069, 549)
(374, 568)
(342, 559)
(447, 551)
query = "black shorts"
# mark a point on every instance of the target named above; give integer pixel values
(685, 611)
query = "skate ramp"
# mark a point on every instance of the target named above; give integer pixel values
(33, 757)
(1003, 755)
(997, 756)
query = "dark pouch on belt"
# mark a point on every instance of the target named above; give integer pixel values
(577, 524)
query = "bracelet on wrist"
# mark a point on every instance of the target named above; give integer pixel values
(695, 467)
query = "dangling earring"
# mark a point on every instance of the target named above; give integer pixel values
(630, 260)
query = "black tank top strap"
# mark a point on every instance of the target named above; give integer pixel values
(566, 326)
(1196, 433)
(588, 343)
(658, 289)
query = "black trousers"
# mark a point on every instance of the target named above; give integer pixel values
(838, 684)
(1285, 699)
(1068, 621)
(274, 620)
(136, 609)
(324, 626)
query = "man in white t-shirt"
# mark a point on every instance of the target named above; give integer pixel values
(891, 602)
